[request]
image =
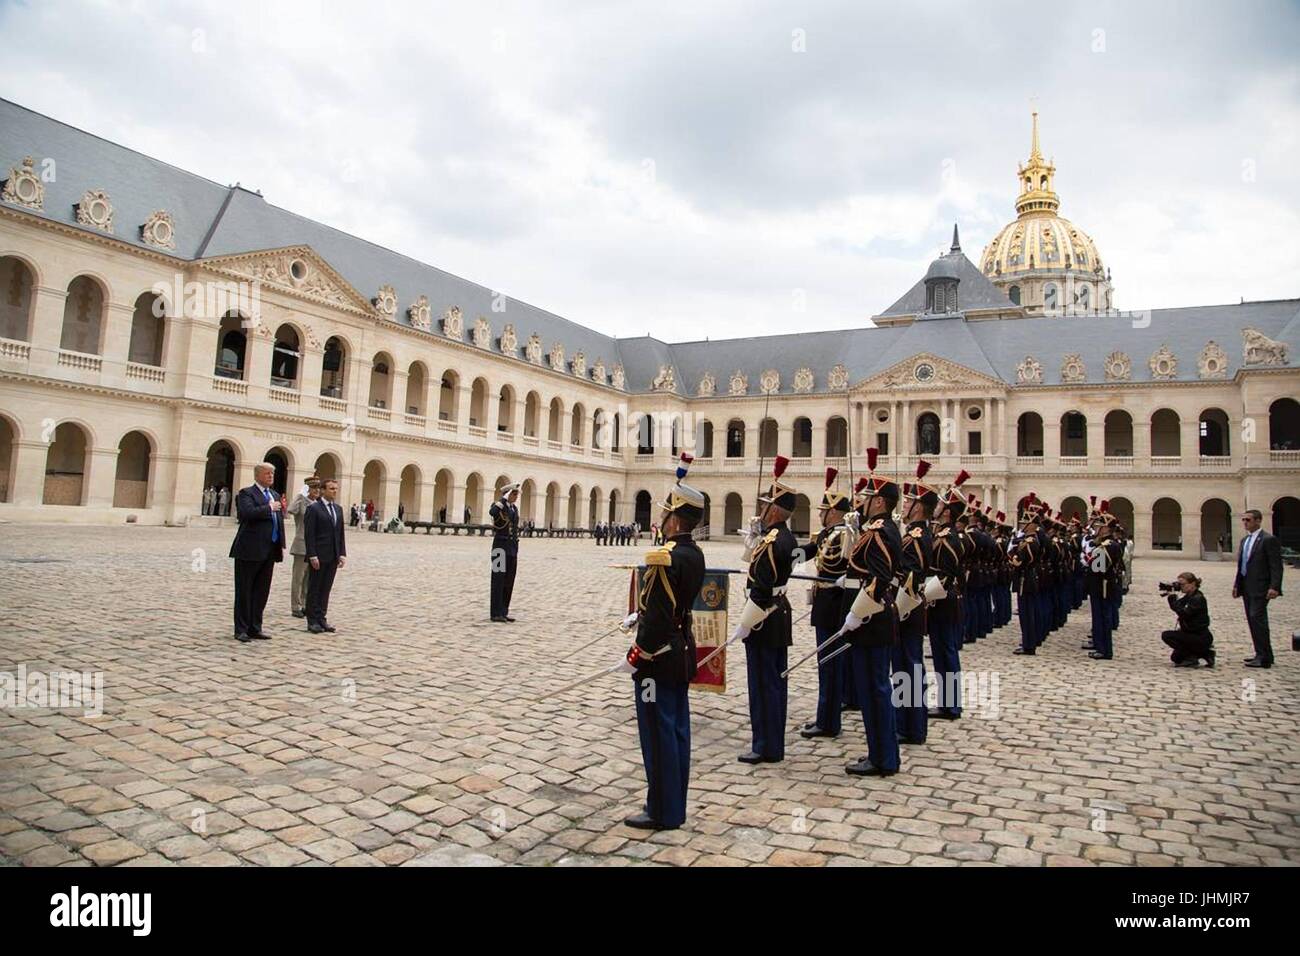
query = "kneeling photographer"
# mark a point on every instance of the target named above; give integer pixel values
(1192, 642)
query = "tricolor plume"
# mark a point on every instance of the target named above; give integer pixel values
(684, 465)
(831, 473)
(873, 455)
(922, 467)
(779, 465)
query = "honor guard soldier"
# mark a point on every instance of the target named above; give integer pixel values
(1104, 570)
(871, 624)
(1043, 599)
(505, 551)
(765, 623)
(1024, 559)
(663, 657)
(943, 591)
(831, 560)
(919, 501)
(1002, 603)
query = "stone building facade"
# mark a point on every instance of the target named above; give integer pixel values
(160, 333)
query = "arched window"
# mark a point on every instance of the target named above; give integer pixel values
(148, 323)
(802, 447)
(284, 358)
(231, 347)
(1050, 296)
(927, 434)
(1284, 425)
(837, 437)
(645, 439)
(333, 368)
(16, 284)
(1014, 294)
(735, 439)
(1214, 433)
(83, 316)
(1029, 435)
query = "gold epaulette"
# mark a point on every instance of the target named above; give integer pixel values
(660, 557)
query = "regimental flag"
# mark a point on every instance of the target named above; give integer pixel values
(708, 624)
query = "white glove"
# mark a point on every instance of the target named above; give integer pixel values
(808, 567)
(740, 633)
(629, 622)
(841, 580)
(853, 520)
(851, 622)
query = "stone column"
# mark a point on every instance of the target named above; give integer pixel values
(115, 345)
(456, 504)
(100, 481)
(257, 361)
(1052, 443)
(1142, 528)
(392, 493)
(29, 471)
(906, 433)
(1096, 432)
(819, 440)
(311, 368)
(46, 330)
(1190, 441)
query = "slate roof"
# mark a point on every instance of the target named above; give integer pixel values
(213, 220)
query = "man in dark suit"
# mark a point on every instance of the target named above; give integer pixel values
(505, 552)
(258, 545)
(1258, 581)
(326, 554)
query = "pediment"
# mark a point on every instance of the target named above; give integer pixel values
(926, 372)
(298, 270)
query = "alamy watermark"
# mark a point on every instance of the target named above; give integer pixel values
(56, 690)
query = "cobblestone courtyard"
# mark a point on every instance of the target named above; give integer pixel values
(412, 735)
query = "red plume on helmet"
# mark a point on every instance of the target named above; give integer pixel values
(970, 498)
(961, 479)
(862, 483)
(873, 454)
(779, 465)
(1002, 516)
(1093, 500)
(1105, 507)
(922, 467)
(830, 475)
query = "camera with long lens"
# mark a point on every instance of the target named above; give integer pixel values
(1167, 586)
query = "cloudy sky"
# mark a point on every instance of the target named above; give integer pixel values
(711, 169)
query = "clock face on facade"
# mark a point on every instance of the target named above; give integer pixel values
(924, 372)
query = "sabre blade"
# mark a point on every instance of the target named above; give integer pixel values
(582, 680)
(816, 650)
(835, 653)
(595, 640)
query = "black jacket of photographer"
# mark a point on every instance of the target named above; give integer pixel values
(1193, 613)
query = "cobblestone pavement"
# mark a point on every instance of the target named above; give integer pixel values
(411, 735)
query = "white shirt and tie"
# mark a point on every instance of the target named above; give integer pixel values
(1246, 547)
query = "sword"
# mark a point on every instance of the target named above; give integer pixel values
(793, 577)
(617, 627)
(621, 665)
(835, 653)
(816, 650)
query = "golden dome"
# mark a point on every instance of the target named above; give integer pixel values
(1042, 248)
(1040, 241)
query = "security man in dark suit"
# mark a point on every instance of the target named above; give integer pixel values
(326, 553)
(871, 622)
(258, 545)
(663, 658)
(1258, 581)
(943, 617)
(919, 502)
(831, 559)
(765, 622)
(505, 552)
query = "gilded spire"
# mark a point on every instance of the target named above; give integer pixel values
(1036, 195)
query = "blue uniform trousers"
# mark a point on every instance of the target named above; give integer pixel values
(909, 673)
(945, 651)
(767, 699)
(1029, 637)
(871, 674)
(664, 724)
(830, 681)
(1101, 624)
